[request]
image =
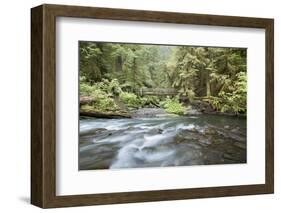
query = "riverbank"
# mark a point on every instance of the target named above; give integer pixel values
(197, 108)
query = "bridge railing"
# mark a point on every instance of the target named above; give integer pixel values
(157, 91)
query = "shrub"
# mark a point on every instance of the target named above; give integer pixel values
(101, 104)
(172, 106)
(106, 104)
(148, 100)
(235, 100)
(86, 89)
(102, 99)
(130, 99)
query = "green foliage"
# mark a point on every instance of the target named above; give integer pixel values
(218, 73)
(104, 104)
(86, 89)
(109, 70)
(130, 99)
(172, 106)
(101, 93)
(110, 87)
(234, 100)
(150, 100)
(137, 65)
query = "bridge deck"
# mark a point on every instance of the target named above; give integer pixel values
(158, 91)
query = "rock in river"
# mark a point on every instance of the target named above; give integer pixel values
(240, 145)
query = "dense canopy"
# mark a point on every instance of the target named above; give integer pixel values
(215, 75)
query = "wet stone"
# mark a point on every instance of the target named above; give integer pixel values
(156, 131)
(234, 157)
(205, 142)
(236, 129)
(161, 141)
(210, 131)
(230, 151)
(195, 130)
(188, 136)
(228, 156)
(240, 145)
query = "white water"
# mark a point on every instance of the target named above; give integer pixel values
(140, 142)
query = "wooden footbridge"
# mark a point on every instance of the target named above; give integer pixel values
(157, 91)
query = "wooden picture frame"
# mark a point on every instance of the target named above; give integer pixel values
(43, 105)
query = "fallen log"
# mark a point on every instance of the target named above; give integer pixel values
(108, 115)
(86, 100)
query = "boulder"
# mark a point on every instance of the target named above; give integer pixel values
(240, 145)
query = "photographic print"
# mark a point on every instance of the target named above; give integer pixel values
(142, 106)
(152, 105)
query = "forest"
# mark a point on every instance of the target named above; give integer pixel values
(161, 105)
(113, 74)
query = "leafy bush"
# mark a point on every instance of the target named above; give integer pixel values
(86, 89)
(110, 87)
(130, 99)
(99, 92)
(149, 100)
(234, 100)
(172, 106)
(106, 104)
(101, 103)
(114, 87)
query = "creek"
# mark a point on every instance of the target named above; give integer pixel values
(153, 138)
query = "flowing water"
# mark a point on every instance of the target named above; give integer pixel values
(161, 141)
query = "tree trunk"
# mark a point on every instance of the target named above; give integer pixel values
(86, 100)
(208, 86)
(119, 64)
(134, 72)
(105, 115)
